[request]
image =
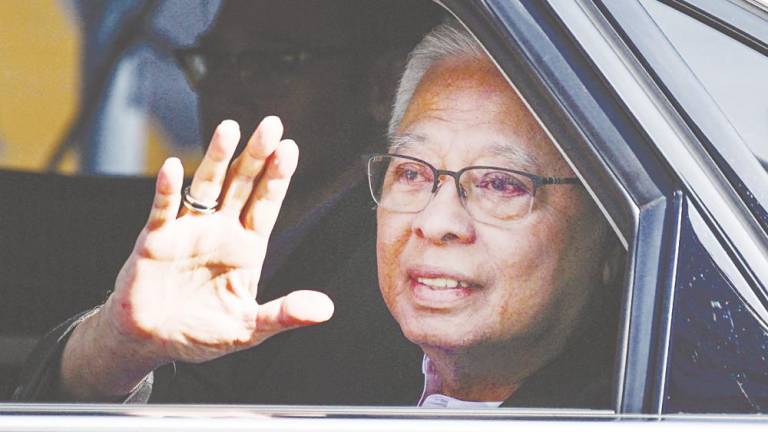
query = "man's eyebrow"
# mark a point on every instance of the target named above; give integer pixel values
(513, 156)
(400, 142)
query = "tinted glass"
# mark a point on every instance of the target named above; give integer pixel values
(718, 358)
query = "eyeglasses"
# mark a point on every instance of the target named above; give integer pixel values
(200, 64)
(490, 195)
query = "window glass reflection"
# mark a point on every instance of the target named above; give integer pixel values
(731, 72)
(718, 356)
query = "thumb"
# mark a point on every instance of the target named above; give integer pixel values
(297, 309)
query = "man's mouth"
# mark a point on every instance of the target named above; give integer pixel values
(435, 287)
(442, 283)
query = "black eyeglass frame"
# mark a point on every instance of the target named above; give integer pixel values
(537, 180)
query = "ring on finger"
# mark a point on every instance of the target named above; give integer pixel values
(196, 206)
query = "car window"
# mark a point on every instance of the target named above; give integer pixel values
(717, 328)
(718, 347)
(682, 295)
(545, 296)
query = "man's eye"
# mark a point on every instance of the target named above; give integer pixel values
(412, 174)
(502, 184)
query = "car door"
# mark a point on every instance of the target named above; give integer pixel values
(600, 77)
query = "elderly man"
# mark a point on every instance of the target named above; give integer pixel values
(491, 258)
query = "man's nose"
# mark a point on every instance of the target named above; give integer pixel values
(445, 220)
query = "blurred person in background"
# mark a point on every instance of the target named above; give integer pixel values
(327, 68)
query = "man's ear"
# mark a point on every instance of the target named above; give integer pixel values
(383, 78)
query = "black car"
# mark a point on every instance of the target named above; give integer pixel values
(660, 107)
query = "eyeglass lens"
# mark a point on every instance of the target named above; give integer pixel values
(489, 194)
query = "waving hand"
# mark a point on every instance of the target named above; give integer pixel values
(187, 292)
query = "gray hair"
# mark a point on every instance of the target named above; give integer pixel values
(448, 40)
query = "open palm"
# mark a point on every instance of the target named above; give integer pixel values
(188, 289)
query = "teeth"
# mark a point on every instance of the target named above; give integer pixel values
(442, 283)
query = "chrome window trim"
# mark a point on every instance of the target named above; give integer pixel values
(96, 418)
(740, 20)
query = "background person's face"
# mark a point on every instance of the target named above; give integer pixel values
(530, 281)
(315, 101)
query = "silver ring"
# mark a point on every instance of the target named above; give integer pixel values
(196, 206)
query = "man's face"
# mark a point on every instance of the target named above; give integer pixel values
(529, 281)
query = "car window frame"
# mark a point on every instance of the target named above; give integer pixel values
(635, 189)
(672, 139)
(701, 114)
(731, 219)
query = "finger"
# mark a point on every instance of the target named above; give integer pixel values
(265, 201)
(209, 176)
(248, 166)
(297, 309)
(165, 205)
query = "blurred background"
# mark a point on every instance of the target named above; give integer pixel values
(53, 55)
(91, 100)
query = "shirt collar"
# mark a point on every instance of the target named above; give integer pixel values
(432, 398)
